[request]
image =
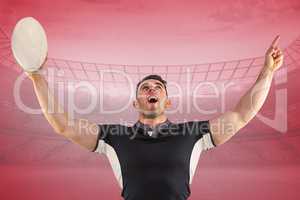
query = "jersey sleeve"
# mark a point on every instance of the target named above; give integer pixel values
(102, 138)
(204, 135)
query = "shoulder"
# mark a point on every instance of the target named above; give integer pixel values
(192, 126)
(111, 129)
(109, 133)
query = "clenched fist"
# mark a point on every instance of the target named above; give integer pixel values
(274, 56)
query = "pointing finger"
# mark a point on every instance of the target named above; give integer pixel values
(275, 41)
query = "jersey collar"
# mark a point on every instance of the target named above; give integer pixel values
(146, 130)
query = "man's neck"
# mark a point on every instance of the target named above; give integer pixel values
(152, 122)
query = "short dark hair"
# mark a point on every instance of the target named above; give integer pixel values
(152, 76)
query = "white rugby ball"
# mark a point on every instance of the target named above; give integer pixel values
(29, 44)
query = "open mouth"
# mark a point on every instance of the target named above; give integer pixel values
(152, 99)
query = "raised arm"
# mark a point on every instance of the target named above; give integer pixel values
(79, 131)
(229, 123)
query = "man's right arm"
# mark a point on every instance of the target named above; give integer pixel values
(80, 131)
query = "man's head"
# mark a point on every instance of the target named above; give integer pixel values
(151, 96)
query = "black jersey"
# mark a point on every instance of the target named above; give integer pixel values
(154, 164)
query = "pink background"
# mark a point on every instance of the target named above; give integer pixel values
(260, 162)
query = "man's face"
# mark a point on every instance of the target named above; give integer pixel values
(151, 98)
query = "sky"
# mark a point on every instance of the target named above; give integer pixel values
(157, 32)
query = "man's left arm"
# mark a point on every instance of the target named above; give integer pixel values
(229, 123)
